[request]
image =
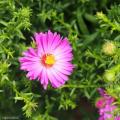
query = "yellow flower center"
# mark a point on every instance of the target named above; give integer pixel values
(48, 60)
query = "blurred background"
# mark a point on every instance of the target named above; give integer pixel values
(88, 24)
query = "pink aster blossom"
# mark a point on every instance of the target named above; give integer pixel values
(50, 61)
(100, 103)
(117, 118)
(106, 106)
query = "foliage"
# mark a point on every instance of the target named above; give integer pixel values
(89, 24)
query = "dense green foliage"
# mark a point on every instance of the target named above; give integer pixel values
(91, 26)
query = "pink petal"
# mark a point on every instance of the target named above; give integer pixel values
(44, 43)
(62, 70)
(50, 39)
(44, 78)
(56, 42)
(55, 83)
(39, 38)
(56, 75)
(62, 75)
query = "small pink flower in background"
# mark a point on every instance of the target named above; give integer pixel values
(100, 103)
(50, 61)
(106, 106)
(117, 118)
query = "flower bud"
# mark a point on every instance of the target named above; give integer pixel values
(109, 76)
(109, 48)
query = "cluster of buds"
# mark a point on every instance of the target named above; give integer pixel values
(106, 106)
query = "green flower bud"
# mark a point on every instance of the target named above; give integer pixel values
(109, 48)
(109, 76)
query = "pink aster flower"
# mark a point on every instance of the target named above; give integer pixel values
(100, 103)
(106, 106)
(117, 118)
(50, 61)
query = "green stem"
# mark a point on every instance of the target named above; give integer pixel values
(76, 86)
